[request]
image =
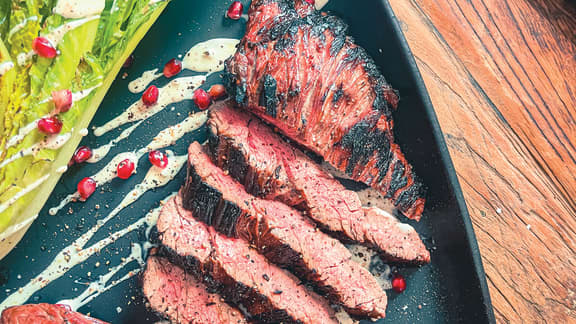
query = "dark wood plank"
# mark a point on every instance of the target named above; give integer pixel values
(502, 77)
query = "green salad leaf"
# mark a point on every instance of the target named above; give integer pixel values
(91, 52)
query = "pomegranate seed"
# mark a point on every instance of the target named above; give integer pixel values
(398, 283)
(202, 99)
(62, 100)
(150, 96)
(86, 187)
(158, 159)
(217, 91)
(173, 67)
(43, 47)
(310, 1)
(235, 10)
(82, 154)
(50, 125)
(129, 61)
(125, 169)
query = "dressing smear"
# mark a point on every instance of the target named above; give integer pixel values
(79, 8)
(208, 56)
(23, 192)
(56, 36)
(5, 67)
(53, 142)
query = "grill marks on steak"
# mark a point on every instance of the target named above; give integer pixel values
(236, 271)
(280, 233)
(178, 296)
(271, 168)
(297, 69)
(45, 314)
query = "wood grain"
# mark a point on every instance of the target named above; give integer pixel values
(502, 78)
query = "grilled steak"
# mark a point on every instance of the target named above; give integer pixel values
(45, 314)
(297, 69)
(236, 271)
(281, 233)
(178, 296)
(270, 168)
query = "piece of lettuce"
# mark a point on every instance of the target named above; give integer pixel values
(90, 57)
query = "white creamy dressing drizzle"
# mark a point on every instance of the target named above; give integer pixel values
(101, 151)
(79, 8)
(53, 142)
(16, 228)
(140, 84)
(208, 56)
(22, 132)
(23, 192)
(177, 90)
(76, 253)
(164, 138)
(27, 129)
(100, 286)
(5, 67)
(319, 4)
(172, 134)
(79, 95)
(21, 25)
(138, 253)
(76, 96)
(56, 36)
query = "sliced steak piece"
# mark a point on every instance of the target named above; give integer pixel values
(236, 271)
(45, 314)
(270, 168)
(282, 234)
(178, 296)
(297, 69)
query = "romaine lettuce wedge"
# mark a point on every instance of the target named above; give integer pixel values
(92, 51)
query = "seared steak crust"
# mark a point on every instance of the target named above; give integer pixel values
(280, 233)
(237, 272)
(269, 167)
(297, 69)
(179, 296)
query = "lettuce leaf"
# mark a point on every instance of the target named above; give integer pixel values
(90, 57)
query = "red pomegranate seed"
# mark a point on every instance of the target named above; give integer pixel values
(86, 187)
(62, 100)
(310, 1)
(125, 169)
(150, 96)
(235, 10)
(82, 154)
(158, 159)
(202, 99)
(43, 47)
(129, 61)
(398, 283)
(173, 67)
(217, 91)
(50, 125)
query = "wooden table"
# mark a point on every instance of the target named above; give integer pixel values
(502, 77)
